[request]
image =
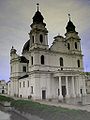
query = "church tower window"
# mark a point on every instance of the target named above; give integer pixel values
(78, 63)
(23, 83)
(31, 60)
(75, 45)
(20, 84)
(24, 68)
(31, 89)
(61, 61)
(32, 39)
(42, 59)
(41, 38)
(68, 46)
(28, 83)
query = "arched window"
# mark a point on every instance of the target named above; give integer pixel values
(32, 39)
(41, 38)
(24, 69)
(61, 61)
(42, 59)
(28, 83)
(78, 63)
(75, 45)
(68, 46)
(31, 60)
(20, 84)
(23, 83)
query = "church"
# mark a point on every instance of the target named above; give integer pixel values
(44, 72)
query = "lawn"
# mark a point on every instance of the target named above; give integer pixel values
(49, 112)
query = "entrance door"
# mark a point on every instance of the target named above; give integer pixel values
(64, 91)
(2, 91)
(43, 94)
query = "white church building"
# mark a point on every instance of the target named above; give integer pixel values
(44, 72)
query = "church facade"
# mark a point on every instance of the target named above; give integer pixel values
(44, 72)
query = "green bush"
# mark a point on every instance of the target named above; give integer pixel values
(4, 98)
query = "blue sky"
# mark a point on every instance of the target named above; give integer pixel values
(16, 17)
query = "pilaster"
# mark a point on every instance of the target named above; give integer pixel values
(60, 88)
(73, 87)
(67, 91)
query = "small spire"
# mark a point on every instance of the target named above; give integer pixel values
(37, 6)
(69, 16)
(12, 47)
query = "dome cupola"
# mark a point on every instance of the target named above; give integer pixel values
(38, 18)
(38, 33)
(70, 26)
(26, 47)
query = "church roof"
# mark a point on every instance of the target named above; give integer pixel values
(26, 46)
(38, 18)
(23, 60)
(25, 76)
(70, 27)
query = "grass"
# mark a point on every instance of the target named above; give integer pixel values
(25, 104)
(52, 112)
(4, 98)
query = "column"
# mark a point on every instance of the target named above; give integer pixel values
(77, 87)
(84, 87)
(60, 89)
(67, 92)
(73, 87)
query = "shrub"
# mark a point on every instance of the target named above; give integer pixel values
(4, 98)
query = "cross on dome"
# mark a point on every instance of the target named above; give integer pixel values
(37, 6)
(69, 16)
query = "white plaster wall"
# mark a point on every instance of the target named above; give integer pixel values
(59, 46)
(14, 87)
(54, 87)
(17, 69)
(9, 88)
(52, 61)
(82, 84)
(24, 91)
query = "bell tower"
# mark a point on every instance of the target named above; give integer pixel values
(72, 38)
(39, 33)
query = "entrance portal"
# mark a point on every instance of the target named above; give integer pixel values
(2, 91)
(43, 94)
(64, 91)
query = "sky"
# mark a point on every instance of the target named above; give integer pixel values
(16, 17)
